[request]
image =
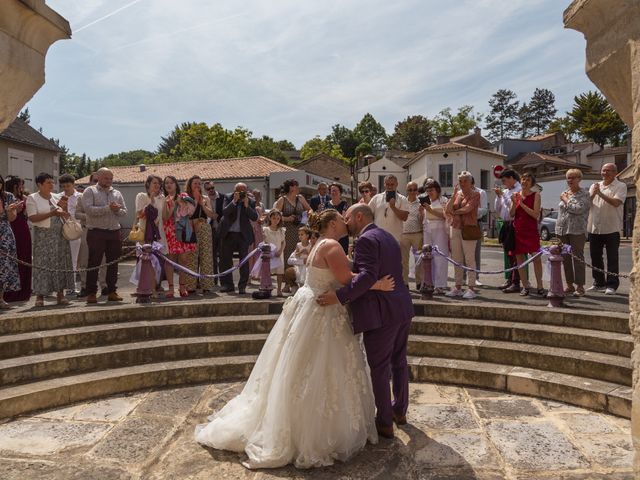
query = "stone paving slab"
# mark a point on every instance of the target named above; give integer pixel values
(453, 433)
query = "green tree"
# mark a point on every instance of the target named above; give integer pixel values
(346, 139)
(133, 157)
(543, 109)
(412, 134)
(502, 120)
(564, 125)
(454, 125)
(314, 146)
(168, 143)
(25, 115)
(596, 119)
(267, 147)
(371, 131)
(363, 149)
(525, 120)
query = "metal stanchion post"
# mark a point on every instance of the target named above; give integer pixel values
(426, 256)
(266, 285)
(147, 279)
(556, 290)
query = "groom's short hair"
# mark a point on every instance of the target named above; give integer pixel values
(364, 209)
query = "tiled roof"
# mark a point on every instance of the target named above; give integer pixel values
(605, 152)
(319, 156)
(452, 147)
(21, 132)
(536, 158)
(541, 137)
(225, 168)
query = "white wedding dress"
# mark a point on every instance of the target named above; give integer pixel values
(308, 400)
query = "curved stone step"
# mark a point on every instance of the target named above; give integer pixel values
(597, 395)
(73, 362)
(603, 396)
(610, 368)
(105, 314)
(599, 366)
(533, 333)
(568, 317)
(33, 343)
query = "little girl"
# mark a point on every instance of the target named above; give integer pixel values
(303, 248)
(274, 234)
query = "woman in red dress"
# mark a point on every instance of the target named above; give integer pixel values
(525, 210)
(20, 228)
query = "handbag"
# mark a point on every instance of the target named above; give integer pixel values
(471, 232)
(136, 234)
(71, 229)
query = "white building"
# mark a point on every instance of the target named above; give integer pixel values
(392, 162)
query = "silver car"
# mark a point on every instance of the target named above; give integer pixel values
(548, 226)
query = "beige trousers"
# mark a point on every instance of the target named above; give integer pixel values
(407, 241)
(463, 252)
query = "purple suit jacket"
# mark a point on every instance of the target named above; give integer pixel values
(376, 255)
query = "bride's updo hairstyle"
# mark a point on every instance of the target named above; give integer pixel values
(319, 221)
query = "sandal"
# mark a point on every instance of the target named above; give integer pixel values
(524, 292)
(63, 301)
(183, 291)
(540, 291)
(4, 305)
(170, 293)
(39, 302)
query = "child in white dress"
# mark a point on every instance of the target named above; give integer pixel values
(274, 234)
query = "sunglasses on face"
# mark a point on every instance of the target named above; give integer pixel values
(412, 189)
(210, 189)
(366, 191)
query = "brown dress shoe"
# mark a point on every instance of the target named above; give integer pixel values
(91, 298)
(400, 419)
(114, 297)
(386, 432)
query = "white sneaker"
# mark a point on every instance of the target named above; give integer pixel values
(595, 288)
(609, 291)
(479, 284)
(469, 294)
(454, 292)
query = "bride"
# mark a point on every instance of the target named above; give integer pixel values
(308, 400)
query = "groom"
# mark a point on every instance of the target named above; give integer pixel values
(384, 317)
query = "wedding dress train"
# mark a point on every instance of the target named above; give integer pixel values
(308, 400)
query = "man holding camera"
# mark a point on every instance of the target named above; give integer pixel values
(390, 208)
(236, 234)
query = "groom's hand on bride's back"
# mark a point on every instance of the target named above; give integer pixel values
(385, 284)
(327, 298)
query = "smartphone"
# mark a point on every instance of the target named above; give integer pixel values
(389, 196)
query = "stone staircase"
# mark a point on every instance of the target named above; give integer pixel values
(54, 358)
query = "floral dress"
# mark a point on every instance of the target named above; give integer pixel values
(173, 244)
(9, 276)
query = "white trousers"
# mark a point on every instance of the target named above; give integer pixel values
(437, 233)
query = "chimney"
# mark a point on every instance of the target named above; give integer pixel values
(440, 139)
(477, 131)
(143, 167)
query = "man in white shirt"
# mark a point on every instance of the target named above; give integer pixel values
(511, 182)
(390, 208)
(605, 225)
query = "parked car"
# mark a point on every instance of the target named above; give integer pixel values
(548, 226)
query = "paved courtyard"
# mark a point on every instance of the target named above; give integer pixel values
(453, 433)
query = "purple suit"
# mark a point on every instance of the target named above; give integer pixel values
(384, 317)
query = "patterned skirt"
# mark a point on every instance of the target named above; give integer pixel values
(9, 276)
(52, 251)
(201, 260)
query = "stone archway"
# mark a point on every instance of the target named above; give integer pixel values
(27, 29)
(612, 32)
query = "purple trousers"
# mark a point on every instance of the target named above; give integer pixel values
(386, 349)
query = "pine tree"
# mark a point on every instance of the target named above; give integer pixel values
(525, 120)
(502, 120)
(543, 109)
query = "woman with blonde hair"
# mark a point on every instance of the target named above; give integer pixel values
(571, 228)
(462, 209)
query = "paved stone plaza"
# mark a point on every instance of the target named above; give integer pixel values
(453, 433)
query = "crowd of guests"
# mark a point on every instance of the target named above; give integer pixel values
(202, 229)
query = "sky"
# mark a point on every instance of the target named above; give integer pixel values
(291, 69)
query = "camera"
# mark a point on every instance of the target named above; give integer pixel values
(389, 196)
(242, 195)
(424, 199)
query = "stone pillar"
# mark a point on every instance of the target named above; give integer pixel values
(612, 32)
(27, 30)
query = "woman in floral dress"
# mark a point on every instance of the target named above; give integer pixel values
(178, 251)
(9, 278)
(22, 235)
